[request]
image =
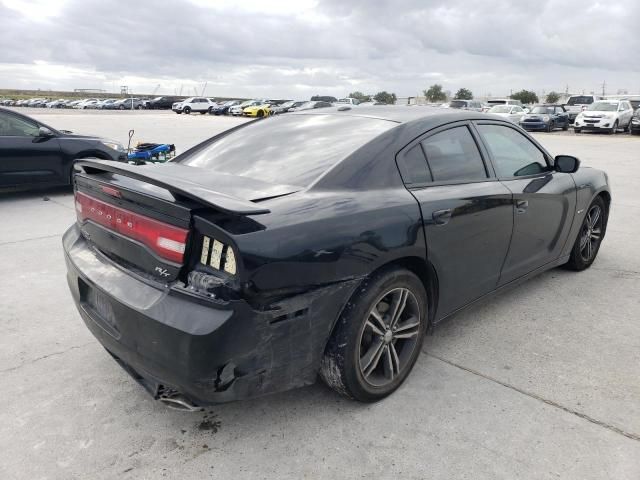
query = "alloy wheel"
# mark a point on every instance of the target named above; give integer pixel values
(591, 233)
(389, 337)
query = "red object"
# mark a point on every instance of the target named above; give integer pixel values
(166, 240)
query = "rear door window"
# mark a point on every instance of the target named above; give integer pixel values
(453, 156)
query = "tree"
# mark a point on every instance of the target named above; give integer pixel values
(525, 96)
(360, 96)
(385, 97)
(552, 97)
(435, 94)
(463, 94)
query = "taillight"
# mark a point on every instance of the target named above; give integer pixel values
(168, 241)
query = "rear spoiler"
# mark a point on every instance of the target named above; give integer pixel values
(192, 190)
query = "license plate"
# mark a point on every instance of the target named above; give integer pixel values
(101, 305)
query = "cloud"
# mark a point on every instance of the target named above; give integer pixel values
(258, 48)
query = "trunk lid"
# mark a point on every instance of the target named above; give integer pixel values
(141, 217)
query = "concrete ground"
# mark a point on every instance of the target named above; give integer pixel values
(542, 382)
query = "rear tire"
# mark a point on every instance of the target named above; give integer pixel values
(594, 226)
(565, 127)
(375, 345)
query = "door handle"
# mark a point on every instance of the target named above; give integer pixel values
(521, 206)
(441, 217)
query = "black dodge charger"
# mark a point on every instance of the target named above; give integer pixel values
(321, 243)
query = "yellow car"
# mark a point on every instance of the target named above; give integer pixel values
(258, 110)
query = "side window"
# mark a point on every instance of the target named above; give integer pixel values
(452, 155)
(12, 126)
(413, 166)
(513, 154)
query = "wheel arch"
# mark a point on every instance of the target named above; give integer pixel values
(423, 269)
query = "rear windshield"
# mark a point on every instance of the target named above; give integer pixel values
(293, 150)
(580, 100)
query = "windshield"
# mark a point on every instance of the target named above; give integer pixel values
(580, 100)
(157, 99)
(545, 110)
(603, 107)
(293, 150)
(287, 104)
(500, 109)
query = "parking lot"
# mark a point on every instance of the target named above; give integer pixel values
(541, 382)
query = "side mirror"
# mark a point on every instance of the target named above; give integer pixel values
(44, 132)
(566, 164)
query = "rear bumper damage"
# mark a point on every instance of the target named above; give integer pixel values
(209, 351)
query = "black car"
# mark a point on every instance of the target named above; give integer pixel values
(232, 272)
(32, 153)
(546, 117)
(223, 108)
(160, 103)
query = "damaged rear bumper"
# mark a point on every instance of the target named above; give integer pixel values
(209, 351)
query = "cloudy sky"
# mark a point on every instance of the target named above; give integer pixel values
(298, 48)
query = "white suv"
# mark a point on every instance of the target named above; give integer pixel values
(194, 104)
(604, 115)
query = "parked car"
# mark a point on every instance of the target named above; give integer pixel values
(238, 110)
(86, 103)
(37, 102)
(161, 103)
(311, 106)
(634, 125)
(211, 293)
(546, 117)
(34, 154)
(223, 108)
(604, 115)
(473, 105)
(127, 104)
(194, 104)
(107, 104)
(349, 101)
(286, 106)
(262, 110)
(60, 103)
(578, 103)
(513, 113)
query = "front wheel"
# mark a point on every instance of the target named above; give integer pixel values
(565, 127)
(576, 130)
(614, 129)
(378, 336)
(585, 249)
(550, 126)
